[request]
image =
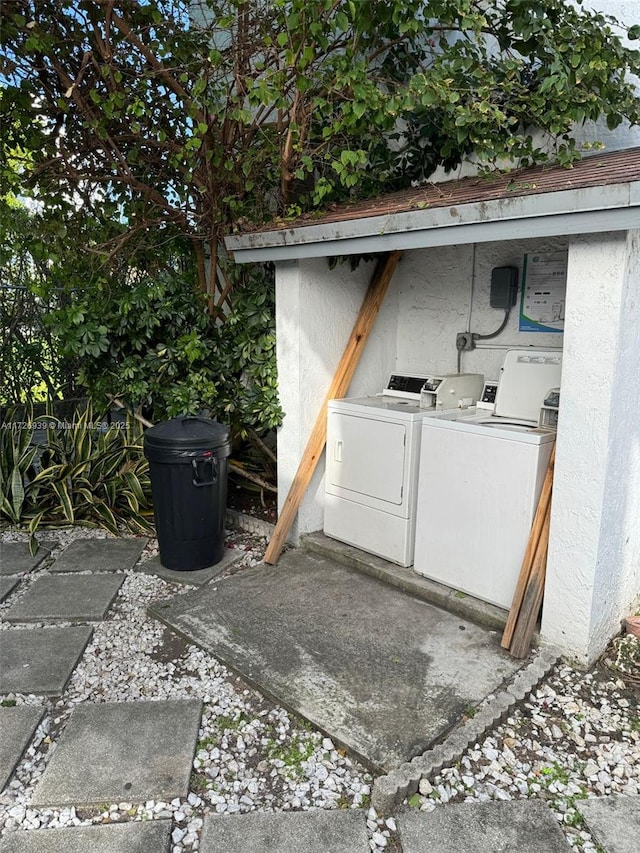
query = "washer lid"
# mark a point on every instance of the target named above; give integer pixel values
(527, 376)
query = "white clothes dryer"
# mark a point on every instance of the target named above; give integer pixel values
(372, 458)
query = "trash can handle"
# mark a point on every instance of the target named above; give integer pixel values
(214, 471)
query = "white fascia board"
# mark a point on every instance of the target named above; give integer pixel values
(481, 232)
(442, 226)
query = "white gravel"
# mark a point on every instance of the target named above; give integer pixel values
(577, 736)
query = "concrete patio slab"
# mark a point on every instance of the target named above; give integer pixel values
(15, 558)
(7, 585)
(286, 832)
(17, 726)
(152, 836)
(383, 673)
(527, 826)
(40, 661)
(100, 555)
(133, 751)
(408, 581)
(83, 598)
(197, 577)
(614, 822)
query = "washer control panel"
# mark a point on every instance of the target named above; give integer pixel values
(487, 399)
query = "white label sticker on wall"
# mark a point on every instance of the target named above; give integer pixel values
(544, 287)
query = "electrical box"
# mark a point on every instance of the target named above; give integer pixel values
(504, 287)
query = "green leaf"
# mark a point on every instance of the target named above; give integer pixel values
(107, 518)
(60, 488)
(17, 494)
(359, 108)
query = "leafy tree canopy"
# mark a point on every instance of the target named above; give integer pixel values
(192, 116)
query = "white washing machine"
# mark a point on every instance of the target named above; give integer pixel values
(479, 482)
(373, 451)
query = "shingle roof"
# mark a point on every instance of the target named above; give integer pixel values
(614, 167)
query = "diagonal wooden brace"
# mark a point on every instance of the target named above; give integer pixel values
(373, 299)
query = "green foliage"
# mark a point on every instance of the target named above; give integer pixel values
(31, 367)
(201, 113)
(17, 457)
(84, 472)
(293, 753)
(167, 123)
(152, 343)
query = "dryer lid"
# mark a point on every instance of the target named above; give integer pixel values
(526, 377)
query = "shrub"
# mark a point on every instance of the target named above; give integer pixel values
(84, 472)
(153, 344)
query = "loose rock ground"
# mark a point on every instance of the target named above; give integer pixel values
(577, 736)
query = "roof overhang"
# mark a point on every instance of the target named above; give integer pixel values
(585, 210)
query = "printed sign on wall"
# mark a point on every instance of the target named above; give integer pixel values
(544, 287)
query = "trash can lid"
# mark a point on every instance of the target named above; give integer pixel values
(187, 433)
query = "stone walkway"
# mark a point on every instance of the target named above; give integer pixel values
(137, 751)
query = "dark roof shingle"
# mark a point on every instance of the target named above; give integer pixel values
(614, 167)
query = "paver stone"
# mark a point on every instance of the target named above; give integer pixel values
(315, 831)
(525, 826)
(152, 836)
(614, 822)
(7, 585)
(17, 726)
(100, 555)
(16, 559)
(66, 598)
(40, 660)
(132, 751)
(197, 577)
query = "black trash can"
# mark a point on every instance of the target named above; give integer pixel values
(188, 468)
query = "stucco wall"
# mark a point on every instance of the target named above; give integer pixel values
(434, 294)
(445, 290)
(316, 310)
(594, 552)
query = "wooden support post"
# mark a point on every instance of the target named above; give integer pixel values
(339, 385)
(525, 571)
(532, 599)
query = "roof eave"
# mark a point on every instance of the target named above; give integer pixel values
(611, 207)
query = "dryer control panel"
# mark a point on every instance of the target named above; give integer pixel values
(406, 385)
(549, 409)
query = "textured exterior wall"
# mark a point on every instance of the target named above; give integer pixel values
(594, 553)
(433, 295)
(443, 291)
(316, 310)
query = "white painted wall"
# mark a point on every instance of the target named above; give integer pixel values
(445, 290)
(315, 312)
(593, 572)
